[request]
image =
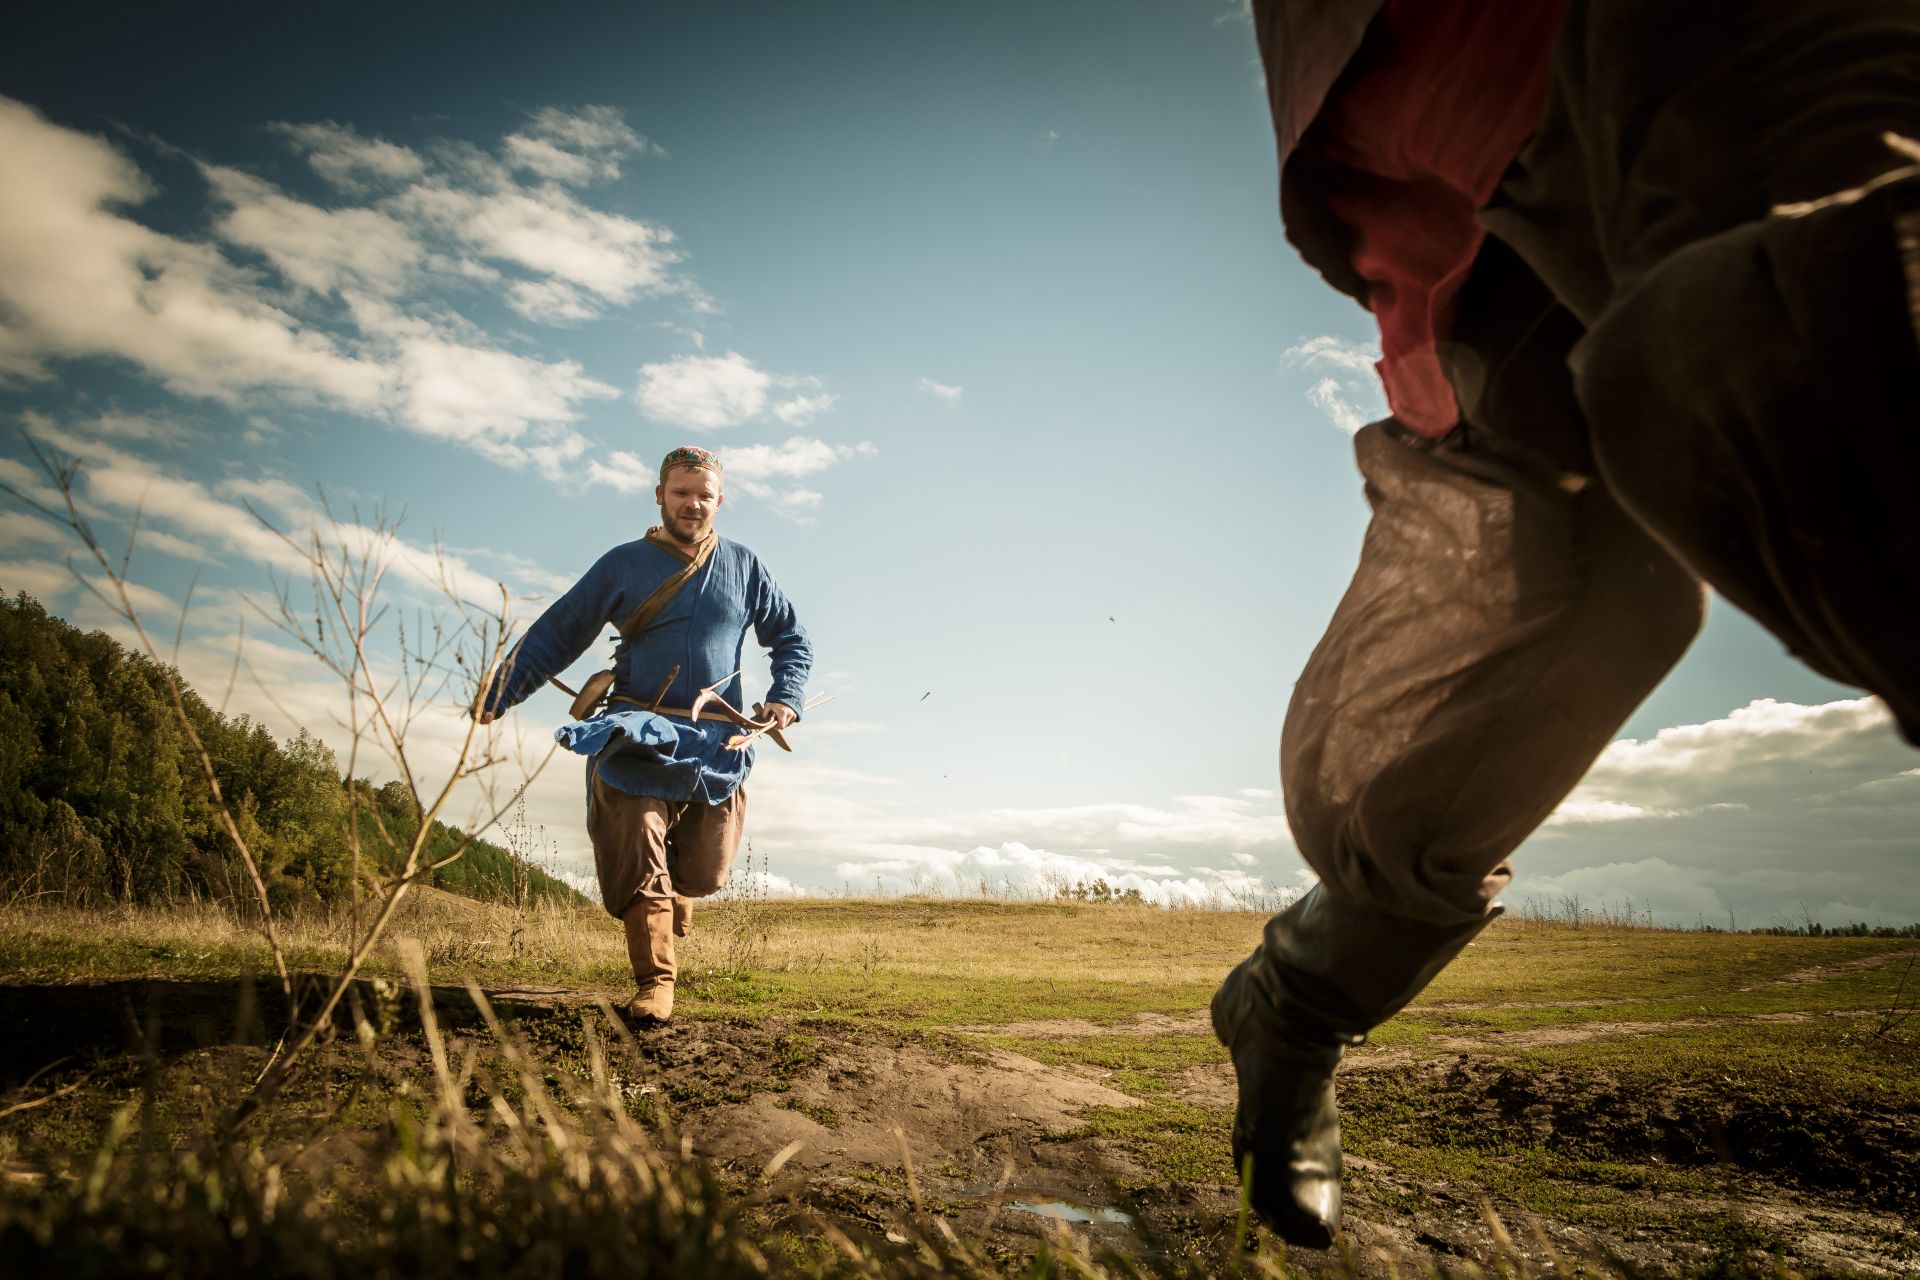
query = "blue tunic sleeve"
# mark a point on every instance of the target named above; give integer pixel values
(778, 629)
(559, 636)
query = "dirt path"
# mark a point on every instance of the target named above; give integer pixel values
(1825, 972)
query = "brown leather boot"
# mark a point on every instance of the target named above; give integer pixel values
(682, 917)
(649, 923)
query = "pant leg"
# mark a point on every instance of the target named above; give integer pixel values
(1750, 379)
(629, 835)
(1498, 631)
(703, 842)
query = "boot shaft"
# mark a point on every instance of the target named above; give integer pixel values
(649, 927)
(1333, 970)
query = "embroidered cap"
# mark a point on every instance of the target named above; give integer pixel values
(690, 455)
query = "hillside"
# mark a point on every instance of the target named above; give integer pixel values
(103, 800)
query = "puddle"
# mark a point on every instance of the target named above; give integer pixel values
(1071, 1212)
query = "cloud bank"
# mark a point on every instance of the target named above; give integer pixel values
(359, 299)
(1773, 808)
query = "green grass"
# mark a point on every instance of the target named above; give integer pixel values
(1176, 1140)
(1519, 961)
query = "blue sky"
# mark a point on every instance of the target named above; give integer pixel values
(1025, 399)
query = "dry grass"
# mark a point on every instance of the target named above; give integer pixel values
(1169, 958)
(461, 937)
(900, 964)
(582, 947)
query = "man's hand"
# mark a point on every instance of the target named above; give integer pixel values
(485, 717)
(777, 714)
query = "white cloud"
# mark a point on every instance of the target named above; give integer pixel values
(575, 147)
(941, 391)
(192, 513)
(1748, 756)
(753, 467)
(1329, 352)
(703, 392)
(44, 580)
(1671, 894)
(324, 250)
(623, 471)
(799, 505)
(550, 302)
(709, 393)
(20, 529)
(801, 410)
(765, 472)
(548, 231)
(345, 159)
(489, 398)
(1575, 810)
(828, 826)
(1018, 870)
(78, 278)
(152, 428)
(1774, 804)
(1348, 391)
(1328, 397)
(1769, 807)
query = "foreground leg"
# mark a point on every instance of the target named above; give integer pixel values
(1325, 973)
(630, 849)
(649, 925)
(1504, 620)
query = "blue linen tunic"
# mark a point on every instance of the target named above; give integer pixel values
(702, 631)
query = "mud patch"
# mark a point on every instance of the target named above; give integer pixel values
(872, 1123)
(1676, 1180)
(1863, 1151)
(748, 1092)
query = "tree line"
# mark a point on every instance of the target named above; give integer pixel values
(103, 800)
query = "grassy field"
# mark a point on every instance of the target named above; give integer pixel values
(971, 1085)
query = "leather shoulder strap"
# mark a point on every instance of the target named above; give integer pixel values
(643, 615)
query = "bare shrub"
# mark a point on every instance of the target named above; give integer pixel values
(392, 679)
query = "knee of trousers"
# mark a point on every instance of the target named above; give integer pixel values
(1444, 716)
(1751, 402)
(686, 885)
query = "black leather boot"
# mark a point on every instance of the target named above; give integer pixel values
(1325, 973)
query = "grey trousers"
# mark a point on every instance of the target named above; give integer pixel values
(1662, 381)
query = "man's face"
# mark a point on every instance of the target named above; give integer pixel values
(688, 499)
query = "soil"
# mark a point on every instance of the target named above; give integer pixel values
(871, 1122)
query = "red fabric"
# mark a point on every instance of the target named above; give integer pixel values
(1409, 144)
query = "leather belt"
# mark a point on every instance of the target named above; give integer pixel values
(686, 713)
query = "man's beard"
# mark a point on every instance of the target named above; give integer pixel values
(672, 527)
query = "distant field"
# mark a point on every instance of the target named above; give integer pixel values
(1677, 1102)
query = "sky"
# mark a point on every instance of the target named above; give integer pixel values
(1024, 400)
